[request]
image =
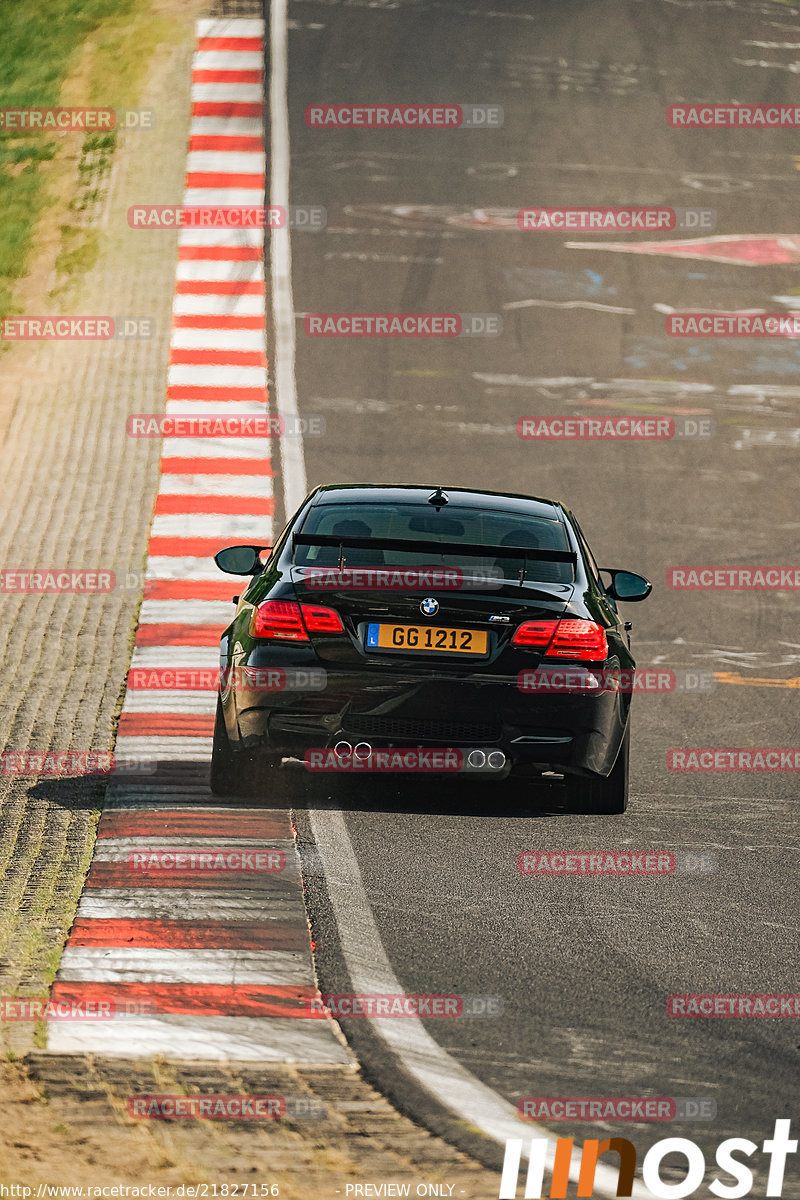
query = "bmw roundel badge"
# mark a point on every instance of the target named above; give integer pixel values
(429, 606)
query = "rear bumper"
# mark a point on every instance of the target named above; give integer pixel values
(565, 733)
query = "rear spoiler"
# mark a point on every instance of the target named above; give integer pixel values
(409, 545)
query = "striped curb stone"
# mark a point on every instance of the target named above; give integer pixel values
(196, 962)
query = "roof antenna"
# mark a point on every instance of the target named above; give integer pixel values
(438, 498)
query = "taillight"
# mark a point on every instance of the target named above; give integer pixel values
(583, 640)
(278, 619)
(534, 633)
(321, 620)
(288, 621)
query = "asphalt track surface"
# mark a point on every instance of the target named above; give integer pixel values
(583, 965)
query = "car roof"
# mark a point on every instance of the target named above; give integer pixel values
(376, 493)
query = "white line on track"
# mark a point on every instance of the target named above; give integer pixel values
(370, 972)
(238, 27)
(210, 485)
(227, 60)
(213, 270)
(208, 525)
(198, 236)
(237, 1039)
(232, 197)
(145, 964)
(213, 375)
(209, 304)
(245, 162)
(292, 456)
(165, 700)
(226, 408)
(227, 127)
(218, 339)
(214, 305)
(153, 657)
(223, 447)
(587, 304)
(116, 849)
(227, 91)
(146, 747)
(186, 904)
(668, 386)
(183, 797)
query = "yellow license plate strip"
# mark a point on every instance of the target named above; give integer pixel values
(435, 639)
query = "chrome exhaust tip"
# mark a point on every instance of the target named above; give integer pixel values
(476, 759)
(342, 749)
(496, 759)
(362, 751)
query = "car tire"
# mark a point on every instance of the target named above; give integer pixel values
(609, 796)
(229, 771)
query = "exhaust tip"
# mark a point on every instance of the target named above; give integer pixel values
(342, 749)
(496, 759)
(476, 759)
(362, 751)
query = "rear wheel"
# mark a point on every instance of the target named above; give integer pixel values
(242, 773)
(231, 774)
(605, 796)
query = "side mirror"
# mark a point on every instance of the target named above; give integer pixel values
(240, 560)
(625, 585)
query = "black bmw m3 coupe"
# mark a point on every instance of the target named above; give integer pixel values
(428, 628)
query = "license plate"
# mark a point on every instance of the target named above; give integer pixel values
(433, 638)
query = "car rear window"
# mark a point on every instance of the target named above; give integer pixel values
(422, 523)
